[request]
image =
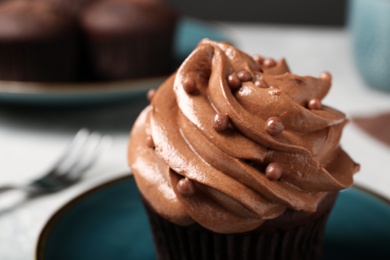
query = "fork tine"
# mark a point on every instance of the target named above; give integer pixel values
(78, 140)
(78, 153)
(90, 158)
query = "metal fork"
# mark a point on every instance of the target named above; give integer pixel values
(80, 154)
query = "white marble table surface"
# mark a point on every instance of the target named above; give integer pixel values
(31, 138)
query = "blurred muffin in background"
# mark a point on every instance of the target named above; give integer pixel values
(128, 38)
(85, 40)
(36, 43)
(70, 7)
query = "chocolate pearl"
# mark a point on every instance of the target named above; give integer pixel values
(326, 76)
(274, 171)
(259, 76)
(274, 91)
(258, 58)
(261, 83)
(269, 62)
(314, 104)
(149, 141)
(233, 81)
(189, 85)
(244, 75)
(274, 126)
(221, 122)
(185, 187)
(150, 94)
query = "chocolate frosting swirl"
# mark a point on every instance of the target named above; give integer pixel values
(230, 142)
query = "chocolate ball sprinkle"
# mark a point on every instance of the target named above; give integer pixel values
(274, 171)
(185, 187)
(150, 94)
(326, 76)
(221, 122)
(314, 104)
(244, 75)
(261, 83)
(274, 91)
(259, 76)
(269, 63)
(258, 58)
(189, 85)
(274, 126)
(149, 141)
(233, 81)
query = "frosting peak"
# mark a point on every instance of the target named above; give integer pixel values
(238, 140)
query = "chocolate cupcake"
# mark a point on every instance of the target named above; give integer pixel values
(128, 38)
(36, 44)
(237, 158)
(69, 7)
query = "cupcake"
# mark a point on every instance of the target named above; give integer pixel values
(71, 8)
(237, 158)
(128, 38)
(36, 43)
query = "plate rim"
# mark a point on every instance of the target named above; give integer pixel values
(75, 88)
(58, 213)
(50, 223)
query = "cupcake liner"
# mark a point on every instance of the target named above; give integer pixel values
(128, 39)
(118, 58)
(44, 61)
(195, 242)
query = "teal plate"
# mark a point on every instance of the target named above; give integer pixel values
(189, 33)
(109, 222)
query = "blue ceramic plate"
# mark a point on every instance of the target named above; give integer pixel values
(189, 33)
(109, 222)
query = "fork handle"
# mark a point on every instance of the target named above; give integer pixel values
(6, 188)
(10, 187)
